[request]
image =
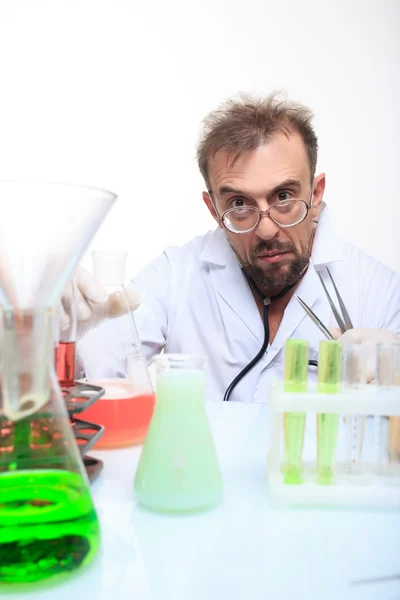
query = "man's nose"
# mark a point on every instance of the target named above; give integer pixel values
(266, 228)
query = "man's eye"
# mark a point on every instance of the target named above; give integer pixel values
(237, 202)
(284, 196)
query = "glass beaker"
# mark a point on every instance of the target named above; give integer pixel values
(126, 408)
(48, 525)
(178, 469)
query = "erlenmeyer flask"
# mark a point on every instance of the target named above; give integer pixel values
(178, 469)
(48, 526)
(126, 408)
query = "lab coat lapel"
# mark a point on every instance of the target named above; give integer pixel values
(231, 287)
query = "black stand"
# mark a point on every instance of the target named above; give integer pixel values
(77, 399)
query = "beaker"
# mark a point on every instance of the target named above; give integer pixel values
(48, 525)
(126, 408)
(178, 469)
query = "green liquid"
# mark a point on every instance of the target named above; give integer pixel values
(48, 526)
(327, 431)
(294, 426)
(178, 469)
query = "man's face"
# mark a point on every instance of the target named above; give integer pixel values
(273, 257)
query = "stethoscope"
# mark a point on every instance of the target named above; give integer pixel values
(266, 302)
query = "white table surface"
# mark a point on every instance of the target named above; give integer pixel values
(244, 549)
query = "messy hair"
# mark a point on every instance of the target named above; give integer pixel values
(247, 122)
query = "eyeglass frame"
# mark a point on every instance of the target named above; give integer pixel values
(264, 213)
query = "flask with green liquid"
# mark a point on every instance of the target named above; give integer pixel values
(48, 525)
(178, 469)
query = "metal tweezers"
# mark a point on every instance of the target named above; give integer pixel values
(343, 320)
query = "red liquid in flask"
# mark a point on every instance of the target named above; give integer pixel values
(65, 363)
(125, 414)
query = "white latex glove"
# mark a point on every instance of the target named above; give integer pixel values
(92, 304)
(368, 338)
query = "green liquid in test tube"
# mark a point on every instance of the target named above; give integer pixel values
(178, 469)
(329, 382)
(295, 380)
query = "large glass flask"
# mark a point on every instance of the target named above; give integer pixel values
(127, 406)
(178, 469)
(48, 526)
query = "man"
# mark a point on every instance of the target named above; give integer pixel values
(258, 160)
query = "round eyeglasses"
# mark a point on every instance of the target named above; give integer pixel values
(285, 213)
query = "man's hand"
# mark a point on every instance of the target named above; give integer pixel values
(368, 338)
(92, 303)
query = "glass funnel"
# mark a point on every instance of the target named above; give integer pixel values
(48, 526)
(178, 469)
(126, 408)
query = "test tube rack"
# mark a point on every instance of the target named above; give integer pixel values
(369, 484)
(77, 399)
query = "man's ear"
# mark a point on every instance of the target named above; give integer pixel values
(318, 194)
(209, 203)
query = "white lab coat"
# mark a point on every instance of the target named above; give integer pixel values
(195, 300)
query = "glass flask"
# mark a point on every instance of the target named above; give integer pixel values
(126, 408)
(178, 469)
(48, 526)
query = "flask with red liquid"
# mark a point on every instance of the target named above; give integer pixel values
(126, 408)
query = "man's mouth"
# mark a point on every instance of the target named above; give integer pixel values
(275, 256)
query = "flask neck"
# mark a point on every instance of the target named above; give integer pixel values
(26, 360)
(180, 390)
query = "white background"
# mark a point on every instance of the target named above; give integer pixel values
(111, 93)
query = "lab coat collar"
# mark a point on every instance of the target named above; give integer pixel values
(232, 287)
(328, 247)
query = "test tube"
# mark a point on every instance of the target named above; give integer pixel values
(66, 348)
(354, 379)
(295, 380)
(388, 365)
(387, 378)
(329, 382)
(394, 439)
